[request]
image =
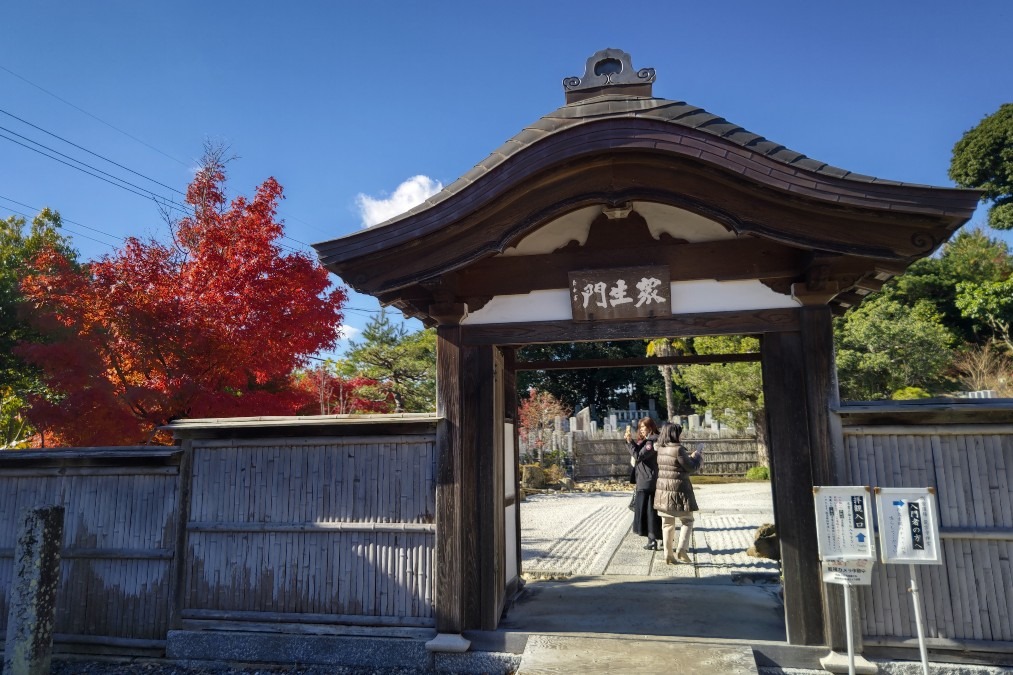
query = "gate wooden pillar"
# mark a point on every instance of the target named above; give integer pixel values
(469, 490)
(791, 459)
(822, 395)
(450, 514)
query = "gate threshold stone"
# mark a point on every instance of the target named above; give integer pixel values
(619, 654)
(220, 649)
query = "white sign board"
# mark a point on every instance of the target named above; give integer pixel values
(844, 522)
(847, 572)
(908, 525)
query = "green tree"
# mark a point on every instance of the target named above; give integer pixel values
(884, 346)
(599, 388)
(990, 302)
(403, 363)
(668, 347)
(971, 256)
(983, 159)
(19, 245)
(732, 391)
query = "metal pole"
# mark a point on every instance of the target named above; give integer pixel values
(918, 620)
(850, 634)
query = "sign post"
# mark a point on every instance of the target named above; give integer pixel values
(909, 533)
(846, 546)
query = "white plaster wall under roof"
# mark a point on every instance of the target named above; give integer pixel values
(575, 225)
(688, 297)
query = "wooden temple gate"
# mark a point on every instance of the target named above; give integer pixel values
(625, 216)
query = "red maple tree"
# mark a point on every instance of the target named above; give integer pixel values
(210, 326)
(332, 394)
(537, 414)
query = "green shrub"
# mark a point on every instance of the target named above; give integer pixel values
(758, 473)
(554, 474)
(910, 393)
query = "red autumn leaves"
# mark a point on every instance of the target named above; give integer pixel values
(212, 325)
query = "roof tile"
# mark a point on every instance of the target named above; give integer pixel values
(696, 119)
(801, 161)
(529, 136)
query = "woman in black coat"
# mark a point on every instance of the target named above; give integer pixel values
(646, 521)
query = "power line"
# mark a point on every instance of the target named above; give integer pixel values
(165, 201)
(79, 234)
(62, 100)
(62, 219)
(159, 199)
(151, 195)
(79, 147)
(315, 227)
(93, 168)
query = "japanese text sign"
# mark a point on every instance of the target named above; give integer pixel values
(908, 525)
(844, 522)
(626, 293)
(847, 572)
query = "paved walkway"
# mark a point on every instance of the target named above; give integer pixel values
(576, 534)
(598, 602)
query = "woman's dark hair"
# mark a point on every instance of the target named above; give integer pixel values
(670, 434)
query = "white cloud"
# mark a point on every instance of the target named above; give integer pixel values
(410, 193)
(349, 332)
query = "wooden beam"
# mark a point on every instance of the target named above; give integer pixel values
(177, 568)
(636, 362)
(821, 398)
(481, 586)
(683, 325)
(784, 389)
(743, 258)
(449, 601)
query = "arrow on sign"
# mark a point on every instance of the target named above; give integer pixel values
(898, 502)
(861, 538)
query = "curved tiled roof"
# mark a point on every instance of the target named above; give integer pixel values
(616, 106)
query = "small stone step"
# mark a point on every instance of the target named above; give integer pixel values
(621, 654)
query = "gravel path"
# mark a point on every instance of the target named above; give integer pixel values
(572, 533)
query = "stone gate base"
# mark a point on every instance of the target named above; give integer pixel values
(218, 648)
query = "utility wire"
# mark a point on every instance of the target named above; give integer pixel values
(65, 220)
(160, 199)
(94, 117)
(315, 227)
(151, 195)
(79, 147)
(79, 234)
(113, 236)
(93, 168)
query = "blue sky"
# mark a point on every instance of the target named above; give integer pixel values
(344, 102)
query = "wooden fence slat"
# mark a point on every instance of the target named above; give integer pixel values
(1002, 483)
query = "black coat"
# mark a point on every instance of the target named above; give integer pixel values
(646, 468)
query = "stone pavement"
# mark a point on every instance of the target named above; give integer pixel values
(597, 602)
(576, 534)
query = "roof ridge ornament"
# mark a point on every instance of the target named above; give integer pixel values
(609, 68)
